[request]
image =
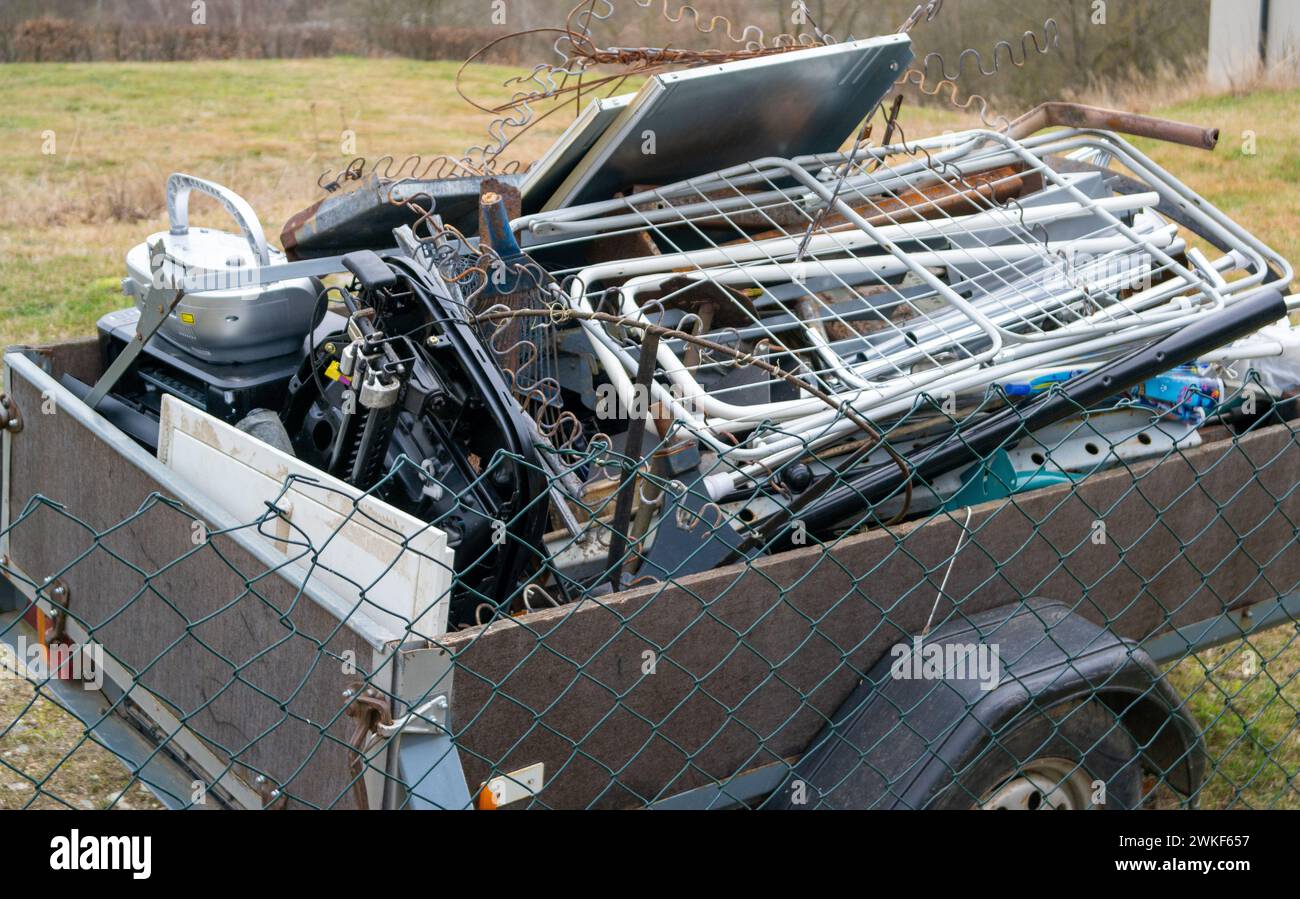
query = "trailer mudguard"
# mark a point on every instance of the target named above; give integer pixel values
(923, 715)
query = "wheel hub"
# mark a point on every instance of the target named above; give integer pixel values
(1041, 785)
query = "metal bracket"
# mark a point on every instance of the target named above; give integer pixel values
(11, 419)
(158, 304)
(429, 718)
(423, 757)
(60, 597)
(430, 768)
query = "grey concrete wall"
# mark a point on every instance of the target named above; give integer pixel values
(1284, 33)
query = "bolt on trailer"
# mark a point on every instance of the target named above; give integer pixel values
(954, 472)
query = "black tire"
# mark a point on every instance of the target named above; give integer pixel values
(1086, 733)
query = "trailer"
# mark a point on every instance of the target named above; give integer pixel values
(724, 458)
(774, 681)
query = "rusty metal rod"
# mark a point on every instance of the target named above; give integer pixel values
(1077, 115)
(635, 434)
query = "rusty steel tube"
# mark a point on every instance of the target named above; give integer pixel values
(1077, 115)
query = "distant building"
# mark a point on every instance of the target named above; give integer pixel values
(1249, 36)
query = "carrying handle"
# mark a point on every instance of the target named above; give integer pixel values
(179, 186)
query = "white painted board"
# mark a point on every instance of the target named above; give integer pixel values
(395, 569)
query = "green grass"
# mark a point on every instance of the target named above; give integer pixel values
(1245, 698)
(1258, 186)
(268, 128)
(214, 114)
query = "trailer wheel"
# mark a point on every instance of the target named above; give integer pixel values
(1053, 759)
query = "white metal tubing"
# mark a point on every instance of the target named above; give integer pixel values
(1143, 310)
(816, 416)
(881, 266)
(624, 385)
(819, 429)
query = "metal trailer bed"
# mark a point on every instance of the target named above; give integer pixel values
(224, 667)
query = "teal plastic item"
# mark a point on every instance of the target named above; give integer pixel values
(997, 478)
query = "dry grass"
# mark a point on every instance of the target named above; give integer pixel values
(46, 759)
(1176, 86)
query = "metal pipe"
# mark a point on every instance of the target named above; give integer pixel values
(1077, 115)
(635, 434)
(969, 445)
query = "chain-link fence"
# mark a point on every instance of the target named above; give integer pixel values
(1105, 616)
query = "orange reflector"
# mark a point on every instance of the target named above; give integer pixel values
(486, 801)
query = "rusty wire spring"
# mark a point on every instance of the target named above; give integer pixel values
(413, 167)
(751, 36)
(923, 12)
(1049, 41)
(444, 246)
(426, 227)
(1003, 51)
(532, 379)
(529, 366)
(945, 82)
(579, 53)
(917, 77)
(544, 81)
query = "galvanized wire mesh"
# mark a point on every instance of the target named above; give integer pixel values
(671, 684)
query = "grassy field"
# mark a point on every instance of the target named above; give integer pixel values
(269, 128)
(89, 147)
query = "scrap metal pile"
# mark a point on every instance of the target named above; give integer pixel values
(715, 320)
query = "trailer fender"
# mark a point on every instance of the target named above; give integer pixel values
(935, 706)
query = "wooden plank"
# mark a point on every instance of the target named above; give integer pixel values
(750, 661)
(245, 659)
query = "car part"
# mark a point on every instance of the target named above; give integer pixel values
(404, 400)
